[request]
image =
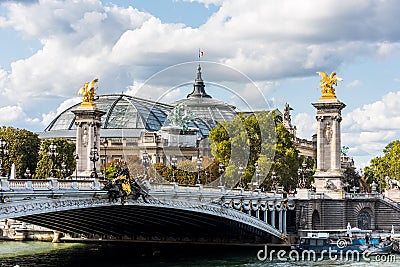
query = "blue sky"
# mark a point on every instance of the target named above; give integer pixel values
(50, 48)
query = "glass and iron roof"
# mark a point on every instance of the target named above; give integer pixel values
(125, 115)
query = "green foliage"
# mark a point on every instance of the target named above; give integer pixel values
(23, 148)
(111, 170)
(387, 165)
(186, 172)
(65, 152)
(260, 138)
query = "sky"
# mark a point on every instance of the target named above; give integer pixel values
(259, 54)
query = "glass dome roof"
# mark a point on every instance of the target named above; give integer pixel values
(204, 106)
(123, 112)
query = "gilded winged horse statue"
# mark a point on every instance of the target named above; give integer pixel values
(327, 83)
(88, 92)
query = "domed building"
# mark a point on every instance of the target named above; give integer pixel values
(132, 125)
(204, 106)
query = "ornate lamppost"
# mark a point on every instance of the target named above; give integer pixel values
(64, 170)
(221, 170)
(258, 172)
(273, 177)
(3, 153)
(76, 157)
(94, 157)
(302, 179)
(240, 173)
(199, 163)
(174, 165)
(105, 145)
(53, 154)
(146, 163)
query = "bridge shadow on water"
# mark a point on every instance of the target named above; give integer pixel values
(123, 254)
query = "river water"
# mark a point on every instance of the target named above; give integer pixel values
(44, 254)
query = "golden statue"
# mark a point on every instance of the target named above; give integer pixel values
(88, 92)
(327, 82)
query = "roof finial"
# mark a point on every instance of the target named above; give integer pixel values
(198, 86)
(198, 78)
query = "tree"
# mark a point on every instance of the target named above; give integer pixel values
(385, 166)
(66, 152)
(260, 138)
(23, 147)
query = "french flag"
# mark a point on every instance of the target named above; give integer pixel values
(201, 53)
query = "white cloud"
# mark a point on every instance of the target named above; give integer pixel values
(355, 83)
(11, 113)
(267, 40)
(369, 129)
(306, 125)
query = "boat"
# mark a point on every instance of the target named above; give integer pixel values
(339, 241)
(325, 243)
(383, 248)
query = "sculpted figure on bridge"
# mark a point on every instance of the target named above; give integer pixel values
(327, 83)
(88, 92)
(123, 186)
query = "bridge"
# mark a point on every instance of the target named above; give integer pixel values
(171, 212)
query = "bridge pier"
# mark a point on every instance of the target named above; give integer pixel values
(280, 221)
(56, 237)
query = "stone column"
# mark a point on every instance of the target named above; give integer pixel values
(273, 218)
(266, 215)
(328, 176)
(88, 123)
(284, 222)
(280, 221)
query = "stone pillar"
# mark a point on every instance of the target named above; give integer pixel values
(328, 176)
(280, 221)
(88, 123)
(266, 215)
(273, 218)
(284, 222)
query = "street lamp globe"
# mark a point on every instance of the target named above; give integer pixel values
(53, 154)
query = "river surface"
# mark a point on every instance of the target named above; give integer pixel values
(44, 254)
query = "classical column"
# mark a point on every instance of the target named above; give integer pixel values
(328, 176)
(88, 123)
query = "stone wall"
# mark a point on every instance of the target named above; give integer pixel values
(368, 213)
